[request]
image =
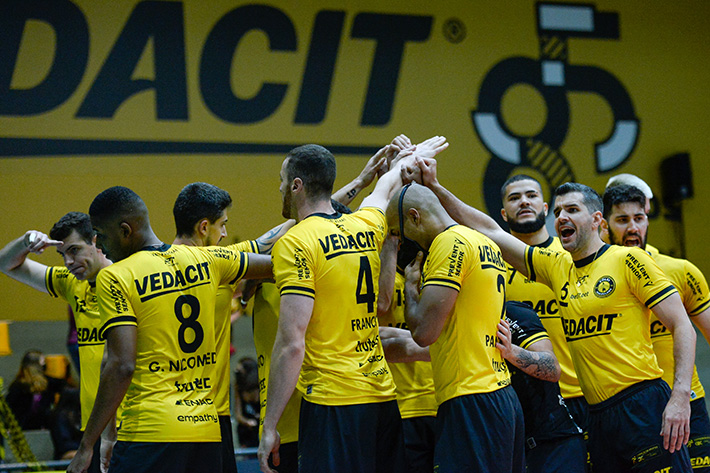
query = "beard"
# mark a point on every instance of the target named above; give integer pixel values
(619, 240)
(286, 204)
(527, 227)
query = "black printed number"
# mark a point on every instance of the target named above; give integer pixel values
(364, 275)
(501, 289)
(190, 322)
(564, 291)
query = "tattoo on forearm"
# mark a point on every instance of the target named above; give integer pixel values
(537, 364)
(352, 193)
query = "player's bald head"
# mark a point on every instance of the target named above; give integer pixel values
(413, 196)
(118, 203)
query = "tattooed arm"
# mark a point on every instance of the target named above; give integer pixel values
(538, 361)
(267, 240)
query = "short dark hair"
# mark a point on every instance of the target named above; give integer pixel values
(516, 178)
(116, 202)
(340, 207)
(315, 166)
(197, 201)
(73, 221)
(590, 198)
(620, 194)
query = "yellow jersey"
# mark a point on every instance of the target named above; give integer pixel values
(543, 301)
(168, 293)
(693, 290)
(464, 357)
(81, 296)
(605, 301)
(223, 331)
(265, 320)
(335, 260)
(414, 381)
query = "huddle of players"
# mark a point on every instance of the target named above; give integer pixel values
(327, 270)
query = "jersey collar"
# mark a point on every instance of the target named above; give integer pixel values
(589, 259)
(162, 247)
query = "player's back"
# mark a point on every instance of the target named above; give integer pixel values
(464, 357)
(169, 294)
(334, 259)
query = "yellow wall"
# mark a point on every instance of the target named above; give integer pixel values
(660, 58)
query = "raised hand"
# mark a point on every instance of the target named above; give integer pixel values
(37, 242)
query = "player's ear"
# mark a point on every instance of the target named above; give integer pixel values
(504, 214)
(297, 184)
(545, 208)
(126, 230)
(414, 215)
(201, 226)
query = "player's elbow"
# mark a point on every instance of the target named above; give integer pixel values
(423, 338)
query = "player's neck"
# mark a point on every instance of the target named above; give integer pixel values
(188, 241)
(591, 248)
(321, 206)
(534, 238)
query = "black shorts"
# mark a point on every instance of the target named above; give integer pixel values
(361, 438)
(95, 466)
(579, 410)
(564, 455)
(419, 442)
(482, 432)
(229, 461)
(624, 432)
(699, 442)
(288, 456)
(175, 457)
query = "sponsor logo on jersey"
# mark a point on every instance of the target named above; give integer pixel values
(167, 280)
(604, 287)
(590, 326)
(88, 335)
(198, 419)
(194, 402)
(336, 244)
(197, 384)
(637, 268)
(491, 257)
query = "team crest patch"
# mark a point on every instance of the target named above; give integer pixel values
(604, 286)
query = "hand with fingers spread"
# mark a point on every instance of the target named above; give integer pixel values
(431, 147)
(376, 166)
(37, 242)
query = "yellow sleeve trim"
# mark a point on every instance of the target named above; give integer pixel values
(533, 339)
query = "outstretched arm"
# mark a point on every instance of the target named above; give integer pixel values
(538, 360)
(391, 181)
(513, 249)
(676, 415)
(14, 262)
(374, 165)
